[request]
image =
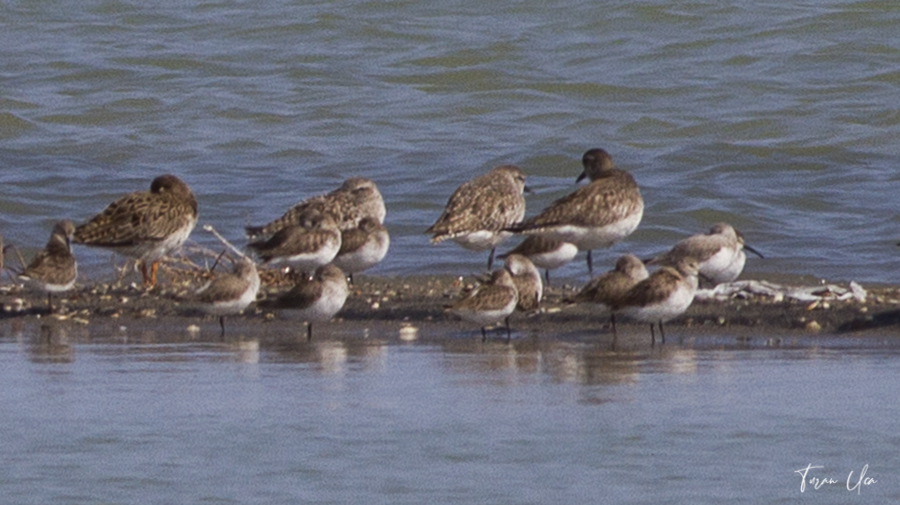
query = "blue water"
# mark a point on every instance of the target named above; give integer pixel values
(107, 421)
(779, 118)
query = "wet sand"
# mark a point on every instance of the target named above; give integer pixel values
(412, 308)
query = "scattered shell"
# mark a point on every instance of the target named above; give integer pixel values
(813, 326)
(409, 333)
(193, 329)
(376, 306)
(859, 294)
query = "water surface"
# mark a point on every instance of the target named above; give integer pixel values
(780, 118)
(142, 419)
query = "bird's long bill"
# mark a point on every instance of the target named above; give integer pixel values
(754, 251)
(581, 177)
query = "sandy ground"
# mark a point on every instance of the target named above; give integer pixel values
(412, 308)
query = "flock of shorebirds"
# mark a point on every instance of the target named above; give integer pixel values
(340, 233)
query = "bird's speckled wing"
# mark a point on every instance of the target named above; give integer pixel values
(488, 202)
(134, 219)
(602, 202)
(291, 241)
(654, 289)
(487, 297)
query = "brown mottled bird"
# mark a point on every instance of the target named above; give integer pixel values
(479, 211)
(54, 269)
(608, 289)
(596, 215)
(357, 198)
(145, 225)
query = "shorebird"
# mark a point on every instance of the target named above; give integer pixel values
(720, 253)
(145, 225)
(527, 279)
(596, 215)
(608, 289)
(362, 247)
(478, 211)
(545, 253)
(357, 198)
(663, 296)
(314, 300)
(305, 246)
(54, 269)
(490, 302)
(230, 293)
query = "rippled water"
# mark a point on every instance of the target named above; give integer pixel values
(144, 418)
(780, 118)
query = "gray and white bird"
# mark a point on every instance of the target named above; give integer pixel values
(489, 302)
(545, 253)
(663, 296)
(720, 253)
(313, 300)
(230, 293)
(610, 288)
(603, 212)
(54, 269)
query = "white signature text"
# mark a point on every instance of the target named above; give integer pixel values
(816, 482)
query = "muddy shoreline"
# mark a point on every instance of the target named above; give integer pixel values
(412, 308)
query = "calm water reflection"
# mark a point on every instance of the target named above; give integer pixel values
(101, 419)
